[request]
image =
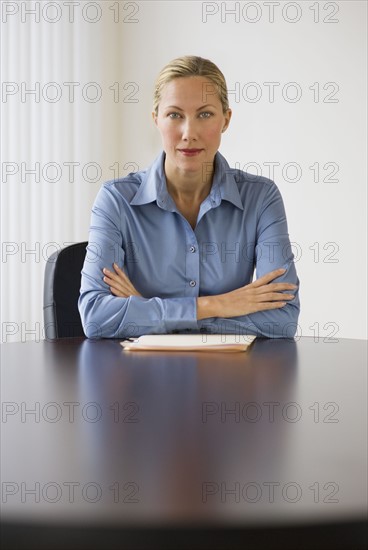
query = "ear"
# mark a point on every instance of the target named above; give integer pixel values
(227, 116)
(154, 116)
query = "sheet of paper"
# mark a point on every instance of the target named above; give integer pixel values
(189, 342)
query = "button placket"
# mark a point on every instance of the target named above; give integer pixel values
(192, 264)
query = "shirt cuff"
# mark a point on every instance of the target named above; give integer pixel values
(180, 314)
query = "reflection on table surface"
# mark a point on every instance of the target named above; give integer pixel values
(276, 435)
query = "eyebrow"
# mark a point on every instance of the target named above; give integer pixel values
(199, 108)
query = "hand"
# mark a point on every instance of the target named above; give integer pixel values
(119, 283)
(257, 296)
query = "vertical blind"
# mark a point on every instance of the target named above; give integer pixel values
(60, 135)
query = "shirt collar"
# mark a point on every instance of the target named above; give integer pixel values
(153, 186)
(224, 184)
(152, 180)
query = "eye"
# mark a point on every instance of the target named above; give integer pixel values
(206, 114)
(173, 115)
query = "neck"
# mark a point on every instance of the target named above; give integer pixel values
(188, 187)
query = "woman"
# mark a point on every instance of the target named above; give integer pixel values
(173, 248)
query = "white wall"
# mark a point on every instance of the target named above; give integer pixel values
(321, 56)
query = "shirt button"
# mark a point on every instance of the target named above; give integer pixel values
(192, 248)
(192, 283)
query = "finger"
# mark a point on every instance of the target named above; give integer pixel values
(118, 269)
(281, 286)
(119, 293)
(275, 287)
(127, 282)
(275, 296)
(270, 305)
(117, 273)
(268, 277)
(120, 281)
(119, 285)
(120, 272)
(114, 274)
(110, 274)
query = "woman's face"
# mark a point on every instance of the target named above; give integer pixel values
(190, 120)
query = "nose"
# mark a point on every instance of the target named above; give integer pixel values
(189, 130)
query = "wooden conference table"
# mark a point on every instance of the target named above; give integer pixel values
(102, 448)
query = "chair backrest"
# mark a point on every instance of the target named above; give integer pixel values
(61, 292)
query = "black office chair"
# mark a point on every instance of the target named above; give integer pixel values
(61, 292)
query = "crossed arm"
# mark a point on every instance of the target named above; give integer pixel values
(112, 307)
(259, 295)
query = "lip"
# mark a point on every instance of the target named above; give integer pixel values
(190, 152)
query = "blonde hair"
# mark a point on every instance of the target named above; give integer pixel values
(191, 65)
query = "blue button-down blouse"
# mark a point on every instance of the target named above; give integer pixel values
(241, 225)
